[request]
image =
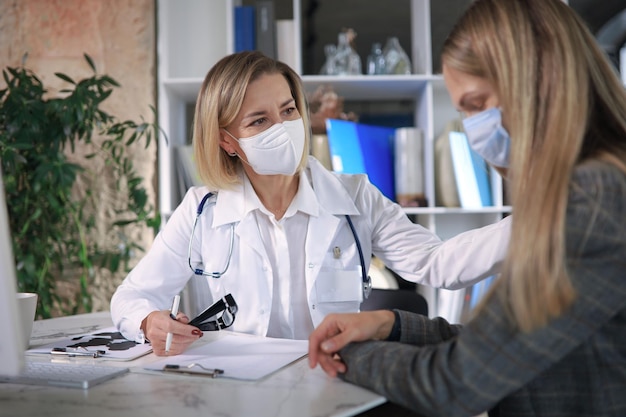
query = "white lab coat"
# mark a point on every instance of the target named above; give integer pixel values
(383, 229)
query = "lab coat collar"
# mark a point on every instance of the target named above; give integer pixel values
(304, 200)
(230, 206)
(234, 204)
(327, 194)
(331, 193)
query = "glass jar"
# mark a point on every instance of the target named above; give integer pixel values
(396, 60)
(329, 65)
(376, 60)
(347, 61)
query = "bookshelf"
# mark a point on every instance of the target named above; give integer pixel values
(194, 34)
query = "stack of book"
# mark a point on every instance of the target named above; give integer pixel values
(256, 28)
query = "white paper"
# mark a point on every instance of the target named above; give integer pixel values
(240, 356)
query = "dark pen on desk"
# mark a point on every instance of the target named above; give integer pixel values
(173, 313)
(193, 369)
(70, 352)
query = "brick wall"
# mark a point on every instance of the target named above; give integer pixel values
(119, 35)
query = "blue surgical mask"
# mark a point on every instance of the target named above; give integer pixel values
(488, 138)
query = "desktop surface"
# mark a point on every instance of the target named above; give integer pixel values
(293, 391)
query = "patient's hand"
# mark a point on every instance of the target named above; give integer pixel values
(337, 330)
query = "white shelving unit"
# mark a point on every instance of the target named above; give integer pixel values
(194, 34)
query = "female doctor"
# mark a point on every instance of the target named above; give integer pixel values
(273, 232)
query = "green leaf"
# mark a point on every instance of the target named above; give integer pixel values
(65, 78)
(90, 62)
(52, 225)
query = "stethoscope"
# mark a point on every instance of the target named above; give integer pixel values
(367, 281)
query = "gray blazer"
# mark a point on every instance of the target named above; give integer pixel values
(574, 366)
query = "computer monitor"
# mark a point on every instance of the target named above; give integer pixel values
(11, 346)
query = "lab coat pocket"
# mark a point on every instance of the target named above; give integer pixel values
(339, 286)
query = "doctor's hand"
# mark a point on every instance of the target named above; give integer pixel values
(337, 330)
(158, 324)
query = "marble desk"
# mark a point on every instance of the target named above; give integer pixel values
(293, 391)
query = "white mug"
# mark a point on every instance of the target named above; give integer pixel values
(27, 306)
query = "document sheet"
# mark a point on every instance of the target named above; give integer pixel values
(239, 356)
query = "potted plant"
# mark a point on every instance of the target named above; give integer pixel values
(52, 222)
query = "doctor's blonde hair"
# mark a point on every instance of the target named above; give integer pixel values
(562, 103)
(219, 101)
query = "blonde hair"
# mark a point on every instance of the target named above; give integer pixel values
(219, 102)
(563, 103)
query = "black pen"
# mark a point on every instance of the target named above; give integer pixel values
(189, 369)
(75, 352)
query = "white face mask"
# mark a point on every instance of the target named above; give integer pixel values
(488, 138)
(275, 151)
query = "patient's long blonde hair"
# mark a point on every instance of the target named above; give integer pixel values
(563, 103)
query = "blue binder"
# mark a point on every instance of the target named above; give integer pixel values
(245, 28)
(357, 148)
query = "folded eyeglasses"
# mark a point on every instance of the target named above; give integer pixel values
(226, 306)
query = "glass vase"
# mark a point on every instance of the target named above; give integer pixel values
(396, 60)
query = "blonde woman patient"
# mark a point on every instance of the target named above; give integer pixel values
(541, 102)
(287, 240)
